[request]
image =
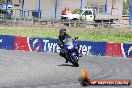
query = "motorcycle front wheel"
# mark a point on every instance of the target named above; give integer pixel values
(75, 61)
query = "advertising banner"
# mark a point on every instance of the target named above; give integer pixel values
(113, 49)
(50, 45)
(127, 50)
(92, 48)
(35, 44)
(43, 45)
(7, 42)
(21, 43)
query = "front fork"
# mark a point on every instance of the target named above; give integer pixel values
(70, 55)
(74, 55)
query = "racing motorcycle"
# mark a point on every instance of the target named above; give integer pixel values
(70, 46)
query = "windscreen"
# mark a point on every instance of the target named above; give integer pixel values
(88, 12)
(68, 41)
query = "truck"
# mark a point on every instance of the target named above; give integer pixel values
(88, 15)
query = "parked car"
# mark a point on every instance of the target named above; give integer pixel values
(3, 14)
(3, 8)
(89, 15)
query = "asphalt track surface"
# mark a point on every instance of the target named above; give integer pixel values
(23, 69)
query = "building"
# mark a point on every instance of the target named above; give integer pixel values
(47, 7)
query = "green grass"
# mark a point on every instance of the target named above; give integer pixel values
(83, 34)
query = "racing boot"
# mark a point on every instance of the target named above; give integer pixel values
(66, 61)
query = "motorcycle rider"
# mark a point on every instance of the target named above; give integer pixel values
(62, 36)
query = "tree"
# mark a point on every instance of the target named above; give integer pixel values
(126, 7)
(4, 1)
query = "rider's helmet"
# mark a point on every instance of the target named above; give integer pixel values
(62, 32)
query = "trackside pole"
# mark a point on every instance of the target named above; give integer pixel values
(39, 13)
(6, 8)
(106, 6)
(55, 10)
(22, 9)
(81, 3)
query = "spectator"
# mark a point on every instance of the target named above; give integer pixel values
(66, 11)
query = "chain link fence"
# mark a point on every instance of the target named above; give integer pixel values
(18, 17)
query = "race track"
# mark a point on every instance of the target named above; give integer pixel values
(23, 69)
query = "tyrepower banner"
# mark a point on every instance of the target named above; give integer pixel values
(7, 42)
(43, 45)
(21, 43)
(50, 45)
(127, 50)
(92, 48)
(35, 44)
(118, 50)
(113, 49)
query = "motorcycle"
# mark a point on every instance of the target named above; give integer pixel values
(70, 46)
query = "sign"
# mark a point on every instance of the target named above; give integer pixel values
(113, 49)
(35, 44)
(21, 43)
(92, 48)
(85, 81)
(1, 40)
(43, 45)
(127, 50)
(7, 42)
(50, 45)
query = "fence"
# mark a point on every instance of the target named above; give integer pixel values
(18, 17)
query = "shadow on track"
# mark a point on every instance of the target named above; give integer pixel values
(66, 65)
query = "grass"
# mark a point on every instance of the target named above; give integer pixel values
(83, 34)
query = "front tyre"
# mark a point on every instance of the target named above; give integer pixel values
(75, 61)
